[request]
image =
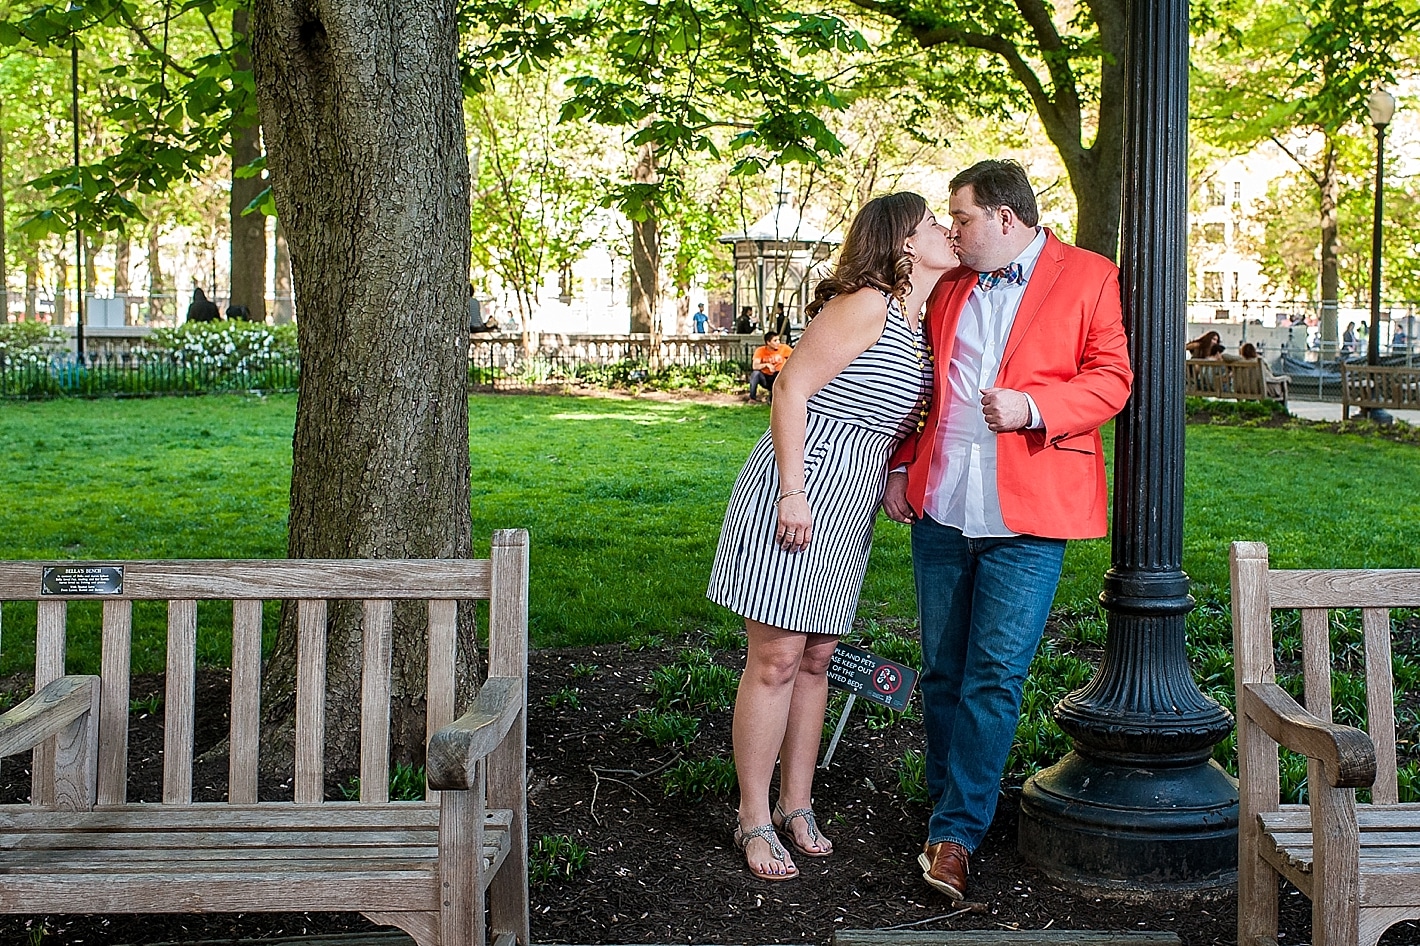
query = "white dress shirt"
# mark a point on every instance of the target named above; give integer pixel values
(961, 485)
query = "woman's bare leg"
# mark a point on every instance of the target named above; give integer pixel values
(798, 754)
(761, 718)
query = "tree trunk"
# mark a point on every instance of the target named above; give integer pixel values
(249, 231)
(31, 289)
(122, 283)
(362, 112)
(92, 248)
(645, 254)
(61, 289)
(155, 280)
(281, 279)
(1330, 273)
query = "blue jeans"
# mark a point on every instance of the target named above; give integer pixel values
(982, 605)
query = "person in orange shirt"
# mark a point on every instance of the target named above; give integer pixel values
(768, 361)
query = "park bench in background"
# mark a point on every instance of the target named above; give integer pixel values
(1358, 863)
(1240, 380)
(1368, 386)
(427, 867)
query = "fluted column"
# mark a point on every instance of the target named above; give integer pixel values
(1139, 804)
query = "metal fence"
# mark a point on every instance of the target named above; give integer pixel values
(130, 375)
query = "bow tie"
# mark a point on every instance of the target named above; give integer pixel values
(1012, 274)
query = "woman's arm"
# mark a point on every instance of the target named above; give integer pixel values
(846, 327)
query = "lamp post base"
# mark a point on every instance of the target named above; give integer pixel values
(1096, 825)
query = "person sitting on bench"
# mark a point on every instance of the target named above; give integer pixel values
(769, 359)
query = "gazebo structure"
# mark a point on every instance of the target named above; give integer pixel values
(775, 259)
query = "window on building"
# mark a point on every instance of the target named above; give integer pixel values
(1237, 193)
(1234, 297)
(1213, 286)
(1214, 233)
(1216, 194)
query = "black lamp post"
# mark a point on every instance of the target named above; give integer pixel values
(1381, 105)
(1139, 804)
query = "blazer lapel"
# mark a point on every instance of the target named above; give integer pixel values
(944, 311)
(1042, 279)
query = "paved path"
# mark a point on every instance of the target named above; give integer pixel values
(1331, 410)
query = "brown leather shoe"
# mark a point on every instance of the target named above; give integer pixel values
(944, 866)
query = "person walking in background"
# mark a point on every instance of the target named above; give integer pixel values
(700, 319)
(780, 325)
(769, 360)
(202, 309)
(744, 324)
(1031, 360)
(799, 526)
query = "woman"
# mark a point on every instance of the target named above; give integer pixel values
(1276, 384)
(1204, 346)
(795, 541)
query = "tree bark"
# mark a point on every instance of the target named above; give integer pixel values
(645, 254)
(285, 302)
(361, 108)
(31, 289)
(61, 289)
(1330, 271)
(122, 279)
(249, 231)
(156, 283)
(4, 267)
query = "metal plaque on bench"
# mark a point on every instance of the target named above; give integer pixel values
(73, 580)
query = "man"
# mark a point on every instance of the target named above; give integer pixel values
(779, 324)
(701, 319)
(1031, 360)
(769, 358)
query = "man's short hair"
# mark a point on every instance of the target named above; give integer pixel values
(1000, 184)
(769, 335)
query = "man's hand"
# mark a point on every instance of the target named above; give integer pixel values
(1005, 409)
(895, 502)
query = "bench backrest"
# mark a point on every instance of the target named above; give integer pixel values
(1214, 377)
(1258, 591)
(1380, 386)
(377, 584)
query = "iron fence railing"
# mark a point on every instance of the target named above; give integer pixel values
(64, 375)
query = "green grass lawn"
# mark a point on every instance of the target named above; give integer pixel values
(623, 499)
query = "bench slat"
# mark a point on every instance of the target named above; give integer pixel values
(377, 632)
(178, 705)
(245, 734)
(268, 816)
(113, 702)
(49, 666)
(1349, 588)
(1380, 703)
(443, 657)
(177, 891)
(228, 579)
(310, 701)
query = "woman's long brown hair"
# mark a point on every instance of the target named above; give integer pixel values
(872, 252)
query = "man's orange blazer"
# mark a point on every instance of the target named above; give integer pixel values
(1067, 350)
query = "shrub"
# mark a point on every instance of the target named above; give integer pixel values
(555, 855)
(700, 777)
(666, 726)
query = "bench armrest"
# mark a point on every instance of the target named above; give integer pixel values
(1347, 755)
(47, 713)
(454, 751)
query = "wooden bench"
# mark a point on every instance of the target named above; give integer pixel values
(1358, 863)
(1241, 380)
(427, 867)
(1368, 386)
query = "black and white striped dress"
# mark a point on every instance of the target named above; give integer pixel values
(854, 422)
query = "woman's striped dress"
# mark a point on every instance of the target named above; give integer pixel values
(854, 422)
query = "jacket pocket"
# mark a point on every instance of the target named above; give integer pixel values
(1077, 443)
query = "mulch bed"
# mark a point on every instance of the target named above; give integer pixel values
(662, 870)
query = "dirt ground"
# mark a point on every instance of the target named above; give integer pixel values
(662, 870)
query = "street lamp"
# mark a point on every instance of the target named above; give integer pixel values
(1381, 105)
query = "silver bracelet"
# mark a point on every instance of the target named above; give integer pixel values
(792, 492)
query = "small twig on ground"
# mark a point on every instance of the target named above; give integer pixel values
(596, 786)
(640, 775)
(969, 908)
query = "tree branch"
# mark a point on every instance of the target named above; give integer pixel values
(1316, 178)
(127, 16)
